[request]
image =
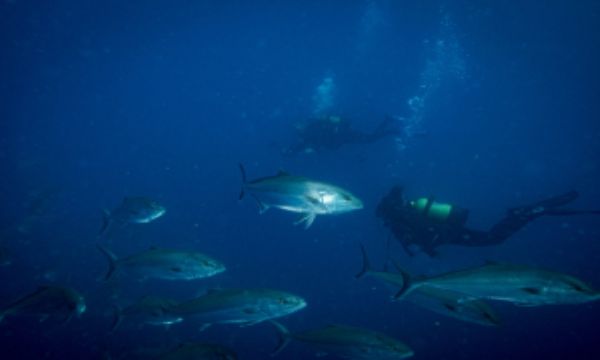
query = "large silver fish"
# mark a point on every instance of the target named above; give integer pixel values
(300, 195)
(239, 306)
(149, 310)
(47, 301)
(347, 342)
(443, 302)
(199, 351)
(133, 210)
(517, 284)
(163, 264)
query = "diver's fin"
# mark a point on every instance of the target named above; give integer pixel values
(117, 318)
(284, 337)
(366, 267)
(106, 220)
(307, 219)
(112, 260)
(244, 180)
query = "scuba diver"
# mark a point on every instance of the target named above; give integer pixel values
(429, 224)
(331, 132)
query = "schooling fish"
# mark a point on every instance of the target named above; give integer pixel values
(300, 195)
(239, 306)
(133, 210)
(443, 302)
(149, 310)
(517, 284)
(347, 342)
(163, 264)
(47, 301)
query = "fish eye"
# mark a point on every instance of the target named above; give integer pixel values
(346, 197)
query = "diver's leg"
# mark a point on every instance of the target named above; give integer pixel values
(389, 126)
(517, 218)
(569, 212)
(540, 207)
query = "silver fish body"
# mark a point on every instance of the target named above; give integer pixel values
(133, 210)
(166, 264)
(239, 306)
(520, 285)
(347, 342)
(47, 301)
(301, 195)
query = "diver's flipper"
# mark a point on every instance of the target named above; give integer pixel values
(543, 206)
(307, 219)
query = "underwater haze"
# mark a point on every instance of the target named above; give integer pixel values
(124, 124)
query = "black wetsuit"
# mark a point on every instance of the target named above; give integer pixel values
(326, 134)
(412, 226)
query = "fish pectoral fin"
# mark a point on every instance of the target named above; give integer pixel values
(307, 219)
(262, 207)
(250, 323)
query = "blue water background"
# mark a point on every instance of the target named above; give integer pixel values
(102, 100)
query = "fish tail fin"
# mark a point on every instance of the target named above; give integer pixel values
(284, 337)
(408, 285)
(105, 222)
(244, 180)
(112, 260)
(117, 318)
(366, 266)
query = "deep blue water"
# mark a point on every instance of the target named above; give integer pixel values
(102, 100)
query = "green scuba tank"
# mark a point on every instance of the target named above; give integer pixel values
(432, 209)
